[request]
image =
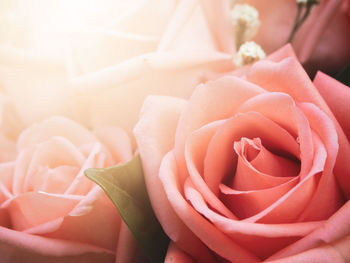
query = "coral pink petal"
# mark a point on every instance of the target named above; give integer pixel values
(20, 247)
(249, 178)
(289, 207)
(335, 252)
(221, 159)
(203, 229)
(248, 203)
(337, 96)
(264, 170)
(155, 134)
(296, 123)
(336, 228)
(289, 76)
(328, 197)
(274, 165)
(224, 95)
(176, 255)
(252, 234)
(196, 147)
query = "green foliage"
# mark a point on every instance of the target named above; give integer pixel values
(124, 184)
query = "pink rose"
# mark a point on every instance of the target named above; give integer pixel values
(252, 168)
(322, 42)
(49, 211)
(101, 71)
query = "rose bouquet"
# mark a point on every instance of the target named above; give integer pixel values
(233, 157)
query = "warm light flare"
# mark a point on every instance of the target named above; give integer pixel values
(45, 26)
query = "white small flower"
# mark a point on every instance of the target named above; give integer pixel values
(245, 22)
(249, 52)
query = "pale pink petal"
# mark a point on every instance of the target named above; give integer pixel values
(58, 179)
(117, 141)
(203, 229)
(20, 247)
(218, 18)
(186, 29)
(176, 255)
(6, 179)
(85, 227)
(8, 149)
(34, 208)
(155, 134)
(54, 152)
(96, 48)
(55, 126)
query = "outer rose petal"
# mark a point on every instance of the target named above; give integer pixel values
(155, 134)
(335, 252)
(336, 228)
(17, 247)
(337, 96)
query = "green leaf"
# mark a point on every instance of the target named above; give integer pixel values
(124, 184)
(344, 76)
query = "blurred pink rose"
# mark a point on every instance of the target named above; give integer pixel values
(49, 211)
(101, 73)
(252, 168)
(322, 42)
